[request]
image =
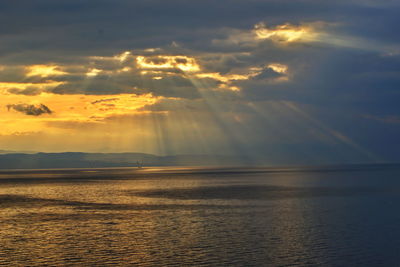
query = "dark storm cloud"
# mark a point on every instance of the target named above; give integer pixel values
(12, 74)
(31, 90)
(41, 29)
(32, 110)
(225, 62)
(94, 87)
(130, 82)
(334, 76)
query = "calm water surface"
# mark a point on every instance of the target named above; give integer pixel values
(344, 216)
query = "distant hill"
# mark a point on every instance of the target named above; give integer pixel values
(16, 152)
(99, 160)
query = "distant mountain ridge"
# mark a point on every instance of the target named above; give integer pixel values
(99, 160)
(16, 152)
(40, 160)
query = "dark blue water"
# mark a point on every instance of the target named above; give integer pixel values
(333, 216)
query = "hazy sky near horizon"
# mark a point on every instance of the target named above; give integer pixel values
(312, 80)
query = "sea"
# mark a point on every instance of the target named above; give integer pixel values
(345, 215)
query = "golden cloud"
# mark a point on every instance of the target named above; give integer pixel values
(279, 68)
(184, 63)
(93, 72)
(44, 70)
(285, 33)
(227, 79)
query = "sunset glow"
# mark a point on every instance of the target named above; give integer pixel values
(199, 133)
(211, 85)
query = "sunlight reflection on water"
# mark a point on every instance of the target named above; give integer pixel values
(199, 217)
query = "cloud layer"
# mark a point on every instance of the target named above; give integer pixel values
(297, 79)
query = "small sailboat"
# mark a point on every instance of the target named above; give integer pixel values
(139, 164)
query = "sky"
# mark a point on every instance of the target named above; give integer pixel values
(285, 81)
